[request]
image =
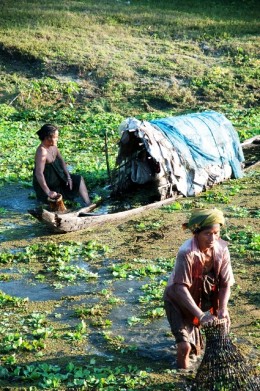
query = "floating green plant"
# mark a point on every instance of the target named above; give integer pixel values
(10, 301)
(141, 268)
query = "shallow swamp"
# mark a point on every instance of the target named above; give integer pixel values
(84, 309)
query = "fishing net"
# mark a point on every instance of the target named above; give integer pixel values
(223, 368)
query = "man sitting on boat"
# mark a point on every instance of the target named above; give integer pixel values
(51, 176)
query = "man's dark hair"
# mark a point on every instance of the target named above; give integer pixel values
(46, 131)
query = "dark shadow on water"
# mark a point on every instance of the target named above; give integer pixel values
(251, 154)
(15, 221)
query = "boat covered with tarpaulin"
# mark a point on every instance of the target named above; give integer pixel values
(183, 154)
(173, 157)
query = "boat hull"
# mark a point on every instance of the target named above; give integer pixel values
(75, 221)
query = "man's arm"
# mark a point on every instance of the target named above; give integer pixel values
(64, 165)
(182, 295)
(224, 295)
(40, 162)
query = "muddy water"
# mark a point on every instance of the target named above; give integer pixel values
(15, 221)
(17, 225)
(17, 228)
(37, 291)
(150, 340)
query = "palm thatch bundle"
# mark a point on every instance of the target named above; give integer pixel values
(223, 368)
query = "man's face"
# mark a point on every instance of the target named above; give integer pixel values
(53, 138)
(208, 237)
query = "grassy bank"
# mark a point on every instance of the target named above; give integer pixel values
(130, 57)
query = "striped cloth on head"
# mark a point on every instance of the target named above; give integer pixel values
(202, 218)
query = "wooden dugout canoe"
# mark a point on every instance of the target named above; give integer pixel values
(83, 218)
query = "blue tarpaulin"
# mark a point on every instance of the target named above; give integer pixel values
(205, 137)
(192, 152)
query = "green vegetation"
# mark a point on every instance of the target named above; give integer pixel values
(85, 66)
(125, 56)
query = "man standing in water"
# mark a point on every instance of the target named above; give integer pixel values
(198, 290)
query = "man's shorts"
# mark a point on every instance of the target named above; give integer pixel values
(182, 329)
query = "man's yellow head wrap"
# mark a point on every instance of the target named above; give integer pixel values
(202, 218)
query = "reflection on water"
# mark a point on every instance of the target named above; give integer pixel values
(37, 291)
(150, 340)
